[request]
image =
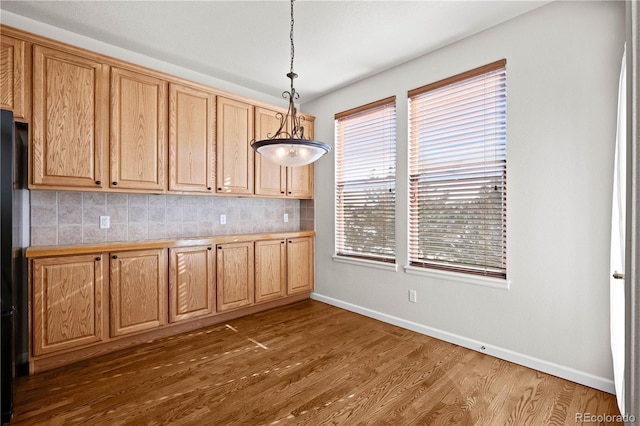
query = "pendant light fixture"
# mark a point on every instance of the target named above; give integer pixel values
(289, 146)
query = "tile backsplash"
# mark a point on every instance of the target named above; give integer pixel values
(64, 218)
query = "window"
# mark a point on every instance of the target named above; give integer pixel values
(457, 168)
(366, 181)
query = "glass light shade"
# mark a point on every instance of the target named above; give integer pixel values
(291, 152)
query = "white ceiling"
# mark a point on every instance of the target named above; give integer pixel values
(247, 42)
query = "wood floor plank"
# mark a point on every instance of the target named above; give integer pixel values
(304, 364)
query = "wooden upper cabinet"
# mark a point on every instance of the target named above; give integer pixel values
(138, 281)
(300, 179)
(69, 120)
(14, 95)
(138, 131)
(235, 275)
(69, 303)
(273, 180)
(299, 265)
(192, 282)
(192, 129)
(271, 270)
(234, 154)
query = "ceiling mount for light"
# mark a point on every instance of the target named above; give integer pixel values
(289, 146)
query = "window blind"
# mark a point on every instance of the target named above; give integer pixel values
(366, 181)
(457, 167)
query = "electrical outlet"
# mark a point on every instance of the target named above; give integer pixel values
(286, 217)
(105, 222)
(223, 219)
(412, 296)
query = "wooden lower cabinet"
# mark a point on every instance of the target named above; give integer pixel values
(138, 281)
(270, 270)
(235, 275)
(69, 302)
(192, 282)
(83, 305)
(299, 265)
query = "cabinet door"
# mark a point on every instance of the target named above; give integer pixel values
(68, 306)
(138, 291)
(271, 267)
(235, 275)
(69, 119)
(299, 265)
(300, 179)
(234, 154)
(192, 282)
(12, 76)
(192, 117)
(271, 178)
(138, 131)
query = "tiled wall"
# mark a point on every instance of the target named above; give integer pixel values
(307, 215)
(62, 218)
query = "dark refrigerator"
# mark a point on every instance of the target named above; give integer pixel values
(13, 197)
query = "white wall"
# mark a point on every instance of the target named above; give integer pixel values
(62, 35)
(563, 64)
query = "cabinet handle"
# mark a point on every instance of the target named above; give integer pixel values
(98, 182)
(98, 259)
(208, 248)
(114, 183)
(114, 257)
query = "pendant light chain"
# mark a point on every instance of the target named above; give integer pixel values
(291, 37)
(297, 131)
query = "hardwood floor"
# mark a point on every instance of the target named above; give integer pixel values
(307, 364)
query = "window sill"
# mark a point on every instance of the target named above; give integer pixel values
(458, 277)
(366, 263)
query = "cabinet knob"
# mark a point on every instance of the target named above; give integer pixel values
(289, 192)
(114, 257)
(219, 189)
(98, 182)
(282, 192)
(208, 248)
(114, 183)
(282, 242)
(208, 188)
(98, 259)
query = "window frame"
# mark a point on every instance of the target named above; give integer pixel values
(366, 259)
(437, 268)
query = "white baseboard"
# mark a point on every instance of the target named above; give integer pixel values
(586, 379)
